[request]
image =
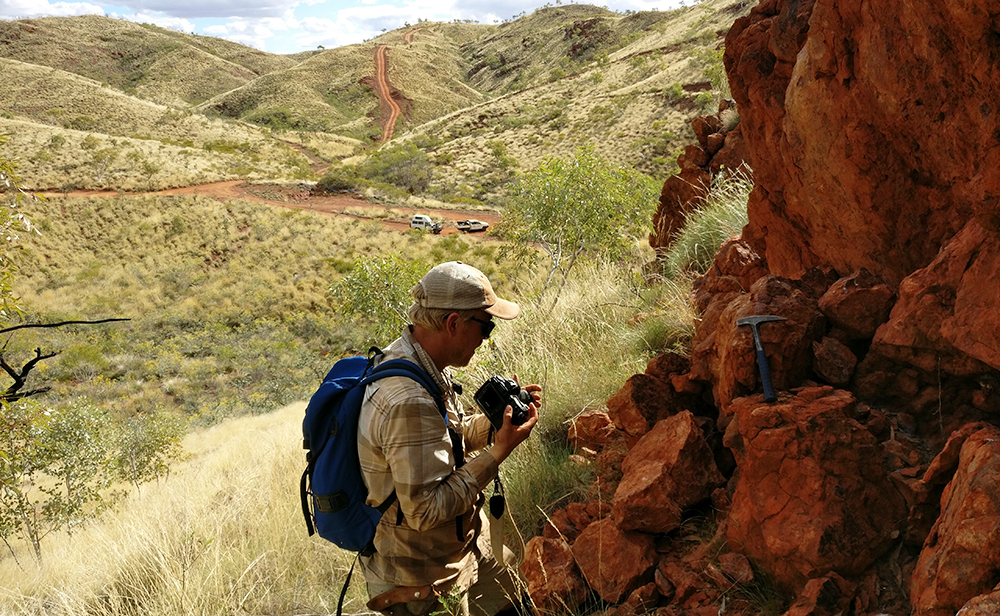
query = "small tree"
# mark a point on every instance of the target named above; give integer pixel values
(55, 469)
(377, 290)
(572, 209)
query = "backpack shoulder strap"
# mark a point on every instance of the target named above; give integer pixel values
(405, 367)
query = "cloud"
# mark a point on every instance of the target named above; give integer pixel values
(164, 21)
(14, 9)
(195, 9)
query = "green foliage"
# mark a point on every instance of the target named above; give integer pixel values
(147, 445)
(56, 469)
(722, 214)
(582, 207)
(403, 165)
(339, 178)
(377, 293)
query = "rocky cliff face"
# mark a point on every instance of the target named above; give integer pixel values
(870, 486)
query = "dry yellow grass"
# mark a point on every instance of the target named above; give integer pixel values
(223, 534)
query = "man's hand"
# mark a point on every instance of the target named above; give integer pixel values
(510, 436)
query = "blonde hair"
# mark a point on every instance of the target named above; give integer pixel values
(431, 318)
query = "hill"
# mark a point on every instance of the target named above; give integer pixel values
(149, 62)
(483, 101)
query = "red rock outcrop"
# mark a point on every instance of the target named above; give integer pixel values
(555, 584)
(669, 469)
(614, 562)
(718, 148)
(812, 497)
(724, 354)
(871, 130)
(961, 556)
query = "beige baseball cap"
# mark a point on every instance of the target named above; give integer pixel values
(457, 286)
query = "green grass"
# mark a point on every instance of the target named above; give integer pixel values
(721, 215)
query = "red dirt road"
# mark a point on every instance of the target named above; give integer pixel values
(296, 199)
(384, 93)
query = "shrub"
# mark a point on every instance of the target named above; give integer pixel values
(403, 165)
(339, 178)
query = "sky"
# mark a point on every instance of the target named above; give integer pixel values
(291, 26)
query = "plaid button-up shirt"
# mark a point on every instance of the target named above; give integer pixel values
(403, 445)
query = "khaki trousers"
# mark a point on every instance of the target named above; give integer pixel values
(497, 589)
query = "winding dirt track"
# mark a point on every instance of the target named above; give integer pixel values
(384, 93)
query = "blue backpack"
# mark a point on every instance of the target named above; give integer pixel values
(332, 477)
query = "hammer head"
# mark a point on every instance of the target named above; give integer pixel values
(756, 320)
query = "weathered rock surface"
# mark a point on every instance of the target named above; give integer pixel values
(717, 149)
(870, 128)
(947, 316)
(614, 562)
(812, 496)
(555, 584)
(961, 556)
(858, 304)
(983, 605)
(643, 401)
(725, 355)
(669, 469)
(592, 429)
(826, 596)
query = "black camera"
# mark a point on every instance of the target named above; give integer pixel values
(498, 392)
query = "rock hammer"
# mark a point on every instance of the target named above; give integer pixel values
(765, 371)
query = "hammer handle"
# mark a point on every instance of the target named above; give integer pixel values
(765, 376)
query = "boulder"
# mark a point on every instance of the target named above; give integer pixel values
(812, 496)
(681, 193)
(946, 315)
(555, 584)
(833, 361)
(858, 304)
(642, 401)
(592, 429)
(736, 568)
(983, 605)
(826, 596)
(669, 469)
(723, 352)
(961, 556)
(614, 562)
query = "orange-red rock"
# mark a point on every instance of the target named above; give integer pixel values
(871, 129)
(592, 429)
(946, 315)
(961, 556)
(826, 596)
(833, 361)
(725, 355)
(812, 497)
(983, 605)
(858, 304)
(642, 401)
(614, 562)
(669, 469)
(555, 584)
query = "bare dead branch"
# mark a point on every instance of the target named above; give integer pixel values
(59, 324)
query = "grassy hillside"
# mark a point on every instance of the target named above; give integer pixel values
(484, 101)
(153, 63)
(627, 84)
(332, 91)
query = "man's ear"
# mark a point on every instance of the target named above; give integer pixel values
(451, 323)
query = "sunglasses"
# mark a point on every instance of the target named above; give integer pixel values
(487, 326)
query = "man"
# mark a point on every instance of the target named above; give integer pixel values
(431, 540)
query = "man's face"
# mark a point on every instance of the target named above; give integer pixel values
(470, 336)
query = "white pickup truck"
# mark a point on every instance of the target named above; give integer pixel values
(471, 225)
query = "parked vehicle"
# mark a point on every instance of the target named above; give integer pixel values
(471, 225)
(423, 221)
